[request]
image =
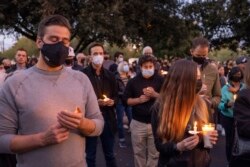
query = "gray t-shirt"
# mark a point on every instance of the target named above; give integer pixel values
(29, 103)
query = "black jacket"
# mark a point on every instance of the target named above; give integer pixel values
(120, 86)
(242, 117)
(242, 113)
(104, 84)
(14, 68)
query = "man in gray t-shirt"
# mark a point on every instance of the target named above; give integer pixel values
(46, 111)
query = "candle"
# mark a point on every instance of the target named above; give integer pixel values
(204, 77)
(105, 98)
(195, 127)
(235, 96)
(208, 127)
(194, 131)
(164, 72)
(206, 130)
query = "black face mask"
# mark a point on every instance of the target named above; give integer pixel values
(69, 62)
(6, 67)
(236, 78)
(199, 60)
(54, 55)
(198, 85)
(82, 61)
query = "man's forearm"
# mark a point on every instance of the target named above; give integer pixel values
(24, 143)
(133, 101)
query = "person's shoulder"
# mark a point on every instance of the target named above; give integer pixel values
(17, 77)
(76, 74)
(18, 74)
(245, 92)
(85, 69)
(225, 87)
(108, 73)
(211, 68)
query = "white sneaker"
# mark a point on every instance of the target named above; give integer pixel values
(125, 126)
(219, 127)
(223, 132)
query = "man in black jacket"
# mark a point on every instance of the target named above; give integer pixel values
(104, 84)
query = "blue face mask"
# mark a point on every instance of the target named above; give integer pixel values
(147, 72)
(125, 68)
(98, 59)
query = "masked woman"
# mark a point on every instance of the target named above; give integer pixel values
(235, 77)
(241, 109)
(174, 114)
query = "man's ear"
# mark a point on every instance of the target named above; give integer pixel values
(191, 51)
(39, 42)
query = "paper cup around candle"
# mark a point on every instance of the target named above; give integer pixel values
(206, 130)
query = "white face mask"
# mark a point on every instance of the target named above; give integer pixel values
(98, 59)
(120, 59)
(147, 72)
(125, 68)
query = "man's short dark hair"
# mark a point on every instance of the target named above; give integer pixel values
(146, 58)
(22, 49)
(58, 20)
(94, 44)
(117, 54)
(199, 41)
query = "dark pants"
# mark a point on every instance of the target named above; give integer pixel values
(7, 160)
(120, 108)
(108, 140)
(228, 124)
(216, 116)
(238, 162)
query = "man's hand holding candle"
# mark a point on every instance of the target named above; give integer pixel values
(76, 121)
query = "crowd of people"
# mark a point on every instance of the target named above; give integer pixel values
(61, 101)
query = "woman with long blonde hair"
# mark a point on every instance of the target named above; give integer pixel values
(175, 112)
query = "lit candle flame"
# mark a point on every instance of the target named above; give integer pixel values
(164, 72)
(105, 98)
